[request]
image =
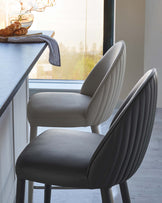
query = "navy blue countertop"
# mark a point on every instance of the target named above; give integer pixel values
(16, 61)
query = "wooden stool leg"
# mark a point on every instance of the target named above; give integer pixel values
(20, 193)
(95, 129)
(125, 192)
(106, 195)
(47, 194)
(33, 134)
(30, 192)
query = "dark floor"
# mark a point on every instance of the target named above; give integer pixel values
(145, 186)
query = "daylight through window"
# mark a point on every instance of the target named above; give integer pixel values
(78, 27)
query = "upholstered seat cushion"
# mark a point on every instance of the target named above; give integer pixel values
(59, 109)
(59, 157)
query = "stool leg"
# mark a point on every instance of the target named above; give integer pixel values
(125, 192)
(30, 191)
(106, 195)
(47, 194)
(20, 193)
(33, 134)
(95, 129)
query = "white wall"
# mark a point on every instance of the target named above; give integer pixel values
(153, 41)
(130, 27)
(139, 24)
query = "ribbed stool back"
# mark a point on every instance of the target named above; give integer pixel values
(104, 84)
(122, 150)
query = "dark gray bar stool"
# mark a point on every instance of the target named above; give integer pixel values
(76, 159)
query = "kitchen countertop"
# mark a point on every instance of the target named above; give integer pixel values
(16, 61)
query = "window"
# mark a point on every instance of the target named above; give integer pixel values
(79, 30)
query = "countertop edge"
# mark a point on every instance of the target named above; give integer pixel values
(24, 76)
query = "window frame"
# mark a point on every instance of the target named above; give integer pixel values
(108, 25)
(108, 41)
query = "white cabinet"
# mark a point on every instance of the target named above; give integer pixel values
(20, 119)
(16, 62)
(13, 138)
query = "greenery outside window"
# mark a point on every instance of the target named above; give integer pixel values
(83, 29)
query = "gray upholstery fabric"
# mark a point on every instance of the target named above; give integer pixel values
(101, 69)
(81, 159)
(107, 93)
(123, 148)
(95, 103)
(60, 157)
(58, 109)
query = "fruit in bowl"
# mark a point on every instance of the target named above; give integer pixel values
(15, 29)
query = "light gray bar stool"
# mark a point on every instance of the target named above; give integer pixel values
(92, 106)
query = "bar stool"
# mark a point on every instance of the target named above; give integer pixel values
(92, 106)
(74, 159)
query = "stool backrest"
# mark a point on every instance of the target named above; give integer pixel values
(104, 84)
(122, 150)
